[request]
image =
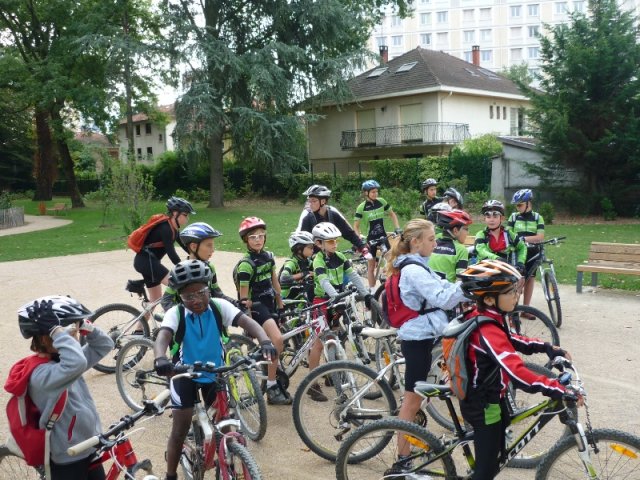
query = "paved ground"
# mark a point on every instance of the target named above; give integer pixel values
(601, 329)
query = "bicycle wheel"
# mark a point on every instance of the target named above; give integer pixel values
(246, 398)
(371, 450)
(135, 374)
(322, 425)
(191, 458)
(12, 466)
(116, 320)
(240, 464)
(539, 326)
(617, 457)
(552, 296)
(386, 348)
(544, 439)
(240, 342)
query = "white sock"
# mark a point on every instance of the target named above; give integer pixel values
(373, 289)
(271, 383)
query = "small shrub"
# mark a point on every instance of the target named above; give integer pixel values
(5, 200)
(473, 201)
(608, 210)
(548, 212)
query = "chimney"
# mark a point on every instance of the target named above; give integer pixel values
(384, 54)
(475, 55)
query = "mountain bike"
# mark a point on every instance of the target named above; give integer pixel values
(548, 278)
(371, 450)
(123, 322)
(530, 322)
(360, 264)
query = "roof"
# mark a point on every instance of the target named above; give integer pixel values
(95, 138)
(528, 143)
(433, 70)
(141, 117)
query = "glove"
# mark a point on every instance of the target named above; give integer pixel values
(398, 231)
(553, 351)
(269, 352)
(365, 253)
(43, 315)
(520, 267)
(367, 300)
(86, 327)
(163, 366)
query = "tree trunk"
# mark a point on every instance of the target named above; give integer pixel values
(67, 161)
(44, 165)
(127, 88)
(216, 178)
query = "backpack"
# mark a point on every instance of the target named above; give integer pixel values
(398, 313)
(178, 336)
(27, 439)
(455, 344)
(250, 261)
(136, 239)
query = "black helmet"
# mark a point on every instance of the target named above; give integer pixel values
(429, 182)
(188, 272)
(489, 277)
(455, 194)
(177, 204)
(319, 191)
(493, 206)
(65, 308)
(197, 232)
(436, 209)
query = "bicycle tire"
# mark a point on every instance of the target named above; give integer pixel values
(370, 451)
(111, 319)
(543, 441)
(381, 319)
(248, 402)
(191, 458)
(240, 464)
(135, 374)
(386, 347)
(541, 327)
(13, 466)
(317, 422)
(552, 296)
(616, 449)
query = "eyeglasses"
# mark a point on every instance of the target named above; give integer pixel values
(257, 236)
(332, 241)
(492, 214)
(199, 295)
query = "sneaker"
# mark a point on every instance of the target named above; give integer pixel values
(399, 470)
(315, 392)
(278, 396)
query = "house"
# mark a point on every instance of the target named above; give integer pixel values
(151, 137)
(418, 104)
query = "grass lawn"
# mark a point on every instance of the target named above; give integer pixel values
(88, 234)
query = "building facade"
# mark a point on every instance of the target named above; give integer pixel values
(151, 138)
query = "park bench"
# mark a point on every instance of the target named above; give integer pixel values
(58, 208)
(618, 258)
(469, 241)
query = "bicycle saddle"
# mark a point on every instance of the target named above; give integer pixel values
(135, 286)
(433, 389)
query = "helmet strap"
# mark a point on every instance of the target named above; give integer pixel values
(197, 254)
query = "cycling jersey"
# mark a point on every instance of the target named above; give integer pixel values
(448, 258)
(257, 278)
(170, 296)
(507, 246)
(311, 219)
(147, 261)
(526, 224)
(291, 288)
(335, 269)
(371, 215)
(427, 205)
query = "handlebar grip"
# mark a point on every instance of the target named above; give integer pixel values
(162, 397)
(82, 446)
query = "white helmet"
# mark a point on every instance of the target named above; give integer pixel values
(325, 231)
(300, 238)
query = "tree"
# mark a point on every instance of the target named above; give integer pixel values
(518, 73)
(587, 114)
(252, 63)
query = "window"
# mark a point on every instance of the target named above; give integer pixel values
(425, 2)
(561, 8)
(468, 15)
(516, 56)
(491, 112)
(578, 6)
(160, 137)
(486, 56)
(469, 36)
(442, 38)
(147, 128)
(396, 21)
(425, 39)
(485, 35)
(425, 19)
(515, 32)
(377, 72)
(381, 41)
(533, 10)
(504, 112)
(139, 151)
(498, 113)
(534, 31)
(138, 130)
(406, 67)
(468, 57)
(534, 52)
(485, 14)
(149, 152)
(442, 17)
(515, 11)
(396, 40)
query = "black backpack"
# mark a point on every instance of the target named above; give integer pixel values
(178, 336)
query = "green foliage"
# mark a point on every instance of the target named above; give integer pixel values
(194, 195)
(5, 200)
(576, 201)
(518, 73)
(608, 210)
(473, 201)
(472, 159)
(408, 172)
(548, 212)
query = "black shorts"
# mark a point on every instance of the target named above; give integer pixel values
(183, 393)
(417, 356)
(263, 310)
(148, 265)
(78, 469)
(531, 264)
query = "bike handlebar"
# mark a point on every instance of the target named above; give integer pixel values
(551, 241)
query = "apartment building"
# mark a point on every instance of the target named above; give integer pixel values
(151, 138)
(507, 31)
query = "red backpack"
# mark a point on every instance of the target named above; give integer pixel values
(28, 440)
(136, 239)
(397, 312)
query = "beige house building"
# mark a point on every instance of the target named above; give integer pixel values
(150, 138)
(421, 103)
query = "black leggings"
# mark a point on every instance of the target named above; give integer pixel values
(417, 358)
(77, 470)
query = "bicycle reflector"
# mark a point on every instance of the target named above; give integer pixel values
(417, 443)
(622, 450)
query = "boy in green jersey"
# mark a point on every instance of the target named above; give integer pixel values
(450, 255)
(296, 275)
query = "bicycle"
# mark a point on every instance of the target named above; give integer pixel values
(548, 278)
(587, 453)
(123, 322)
(530, 322)
(114, 444)
(359, 263)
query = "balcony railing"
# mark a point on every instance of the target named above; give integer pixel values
(435, 133)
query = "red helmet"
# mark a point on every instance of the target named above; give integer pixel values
(454, 218)
(250, 223)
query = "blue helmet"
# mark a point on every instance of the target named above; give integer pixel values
(197, 232)
(521, 196)
(369, 185)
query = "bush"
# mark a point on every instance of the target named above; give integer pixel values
(608, 210)
(577, 202)
(197, 194)
(473, 201)
(548, 212)
(5, 200)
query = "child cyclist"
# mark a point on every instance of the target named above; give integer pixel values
(331, 268)
(453, 197)
(422, 290)
(201, 342)
(259, 291)
(296, 275)
(159, 242)
(54, 324)
(495, 286)
(529, 226)
(430, 190)
(495, 242)
(198, 239)
(371, 214)
(450, 255)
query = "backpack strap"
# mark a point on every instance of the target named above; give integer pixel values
(178, 337)
(173, 234)
(56, 413)
(423, 306)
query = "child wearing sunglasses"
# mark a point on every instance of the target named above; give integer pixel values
(497, 243)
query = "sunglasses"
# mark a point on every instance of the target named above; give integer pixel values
(331, 241)
(199, 295)
(257, 236)
(492, 214)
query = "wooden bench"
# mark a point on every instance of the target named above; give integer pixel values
(469, 241)
(618, 258)
(58, 208)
